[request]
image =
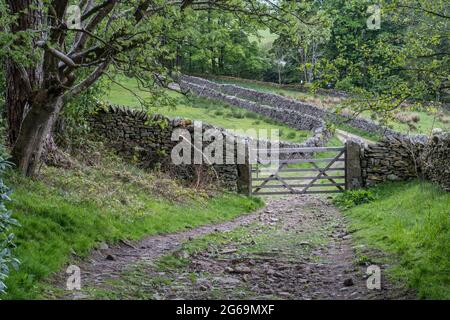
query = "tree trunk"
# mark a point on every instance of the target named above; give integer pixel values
(222, 60)
(213, 61)
(16, 101)
(17, 98)
(36, 128)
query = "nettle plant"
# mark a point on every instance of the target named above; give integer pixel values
(6, 237)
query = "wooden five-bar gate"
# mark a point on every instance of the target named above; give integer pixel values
(300, 171)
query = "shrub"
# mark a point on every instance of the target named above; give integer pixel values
(291, 135)
(218, 113)
(404, 117)
(6, 222)
(72, 125)
(353, 198)
(251, 115)
(415, 118)
(237, 115)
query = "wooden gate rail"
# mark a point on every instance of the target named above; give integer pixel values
(306, 155)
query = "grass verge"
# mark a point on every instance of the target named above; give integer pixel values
(410, 221)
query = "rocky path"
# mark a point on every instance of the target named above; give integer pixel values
(295, 248)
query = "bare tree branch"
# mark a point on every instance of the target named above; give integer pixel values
(86, 83)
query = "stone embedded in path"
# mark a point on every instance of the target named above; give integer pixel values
(348, 282)
(227, 280)
(110, 257)
(238, 269)
(103, 246)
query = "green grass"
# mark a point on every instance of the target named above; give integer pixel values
(411, 222)
(213, 112)
(427, 122)
(70, 212)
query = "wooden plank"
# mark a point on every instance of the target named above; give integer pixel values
(299, 192)
(250, 178)
(285, 184)
(264, 170)
(322, 172)
(295, 161)
(277, 186)
(298, 178)
(271, 176)
(300, 150)
(329, 178)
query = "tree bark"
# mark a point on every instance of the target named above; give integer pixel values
(35, 129)
(222, 60)
(16, 101)
(17, 97)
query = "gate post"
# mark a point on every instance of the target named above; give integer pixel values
(244, 182)
(353, 171)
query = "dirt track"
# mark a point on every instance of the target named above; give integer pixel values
(295, 248)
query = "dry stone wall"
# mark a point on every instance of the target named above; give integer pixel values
(285, 104)
(147, 140)
(392, 159)
(395, 159)
(297, 87)
(292, 118)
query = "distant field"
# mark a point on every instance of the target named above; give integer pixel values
(427, 120)
(209, 111)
